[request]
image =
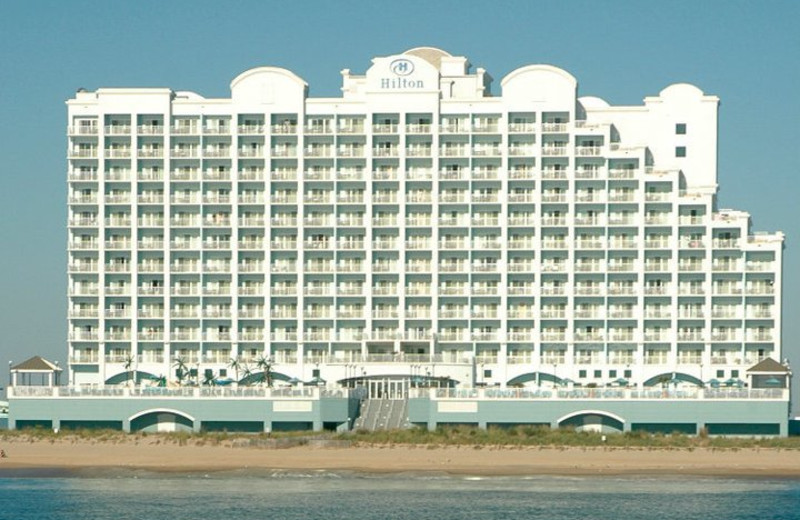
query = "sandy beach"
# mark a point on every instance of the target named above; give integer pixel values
(152, 453)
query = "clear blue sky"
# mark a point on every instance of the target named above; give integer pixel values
(745, 52)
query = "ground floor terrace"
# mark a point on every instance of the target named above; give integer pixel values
(191, 409)
(715, 411)
(429, 403)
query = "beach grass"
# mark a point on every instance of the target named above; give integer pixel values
(568, 438)
(518, 436)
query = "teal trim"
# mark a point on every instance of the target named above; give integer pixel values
(21, 424)
(743, 428)
(532, 377)
(673, 377)
(590, 420)
(91, 425)
(124, 377)
(260, 377)
(511, 425)
(232, 426)
(292, 426)
(154, 418)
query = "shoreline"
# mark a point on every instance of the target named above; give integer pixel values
(80, 457)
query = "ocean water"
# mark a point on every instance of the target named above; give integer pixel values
(351, 496)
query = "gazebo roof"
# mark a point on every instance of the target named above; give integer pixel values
(768, 366)
(36, 364)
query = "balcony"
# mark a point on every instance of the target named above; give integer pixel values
(151, 335)
(77, 175)
(621, 290)
(760, 336)
(318, 267)
(522, 221)
(150, 153)
(589, 173)
(453, 290)
(760, 289)
(554, 337)
(84, 335)
(554, 150)
(553, 197)
(454, 151)
(84, 357)
(250, 129)
(284, 152)
(117, 153)
(386, 151)
(83, 153)
(247, 290)
(83, 129)
(690, 336)
(522, 174)
(589, 151)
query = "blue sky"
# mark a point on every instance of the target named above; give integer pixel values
(744, 52)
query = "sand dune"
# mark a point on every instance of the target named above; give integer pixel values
(153, 453)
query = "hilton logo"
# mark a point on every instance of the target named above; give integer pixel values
(401, 68)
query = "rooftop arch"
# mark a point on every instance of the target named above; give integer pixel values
(540, 68)
(268, 71)
(432, 55)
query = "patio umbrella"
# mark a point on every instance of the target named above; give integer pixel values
(772, 381)
(713, 383)
(734, 382)
(620, 381)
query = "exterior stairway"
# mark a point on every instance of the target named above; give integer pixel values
(382, 414)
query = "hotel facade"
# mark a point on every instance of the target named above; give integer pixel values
(417, 228)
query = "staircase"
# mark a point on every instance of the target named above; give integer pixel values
(382, 414)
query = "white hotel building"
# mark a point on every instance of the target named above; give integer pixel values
(418, 229)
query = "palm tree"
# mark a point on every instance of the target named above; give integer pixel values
(235, 364)
(128, 365)
(266, 364)
(246, 373)
(181, 370)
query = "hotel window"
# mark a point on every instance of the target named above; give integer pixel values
(598, 374)
(628, 373)
(680, 151)
(582, 374)
(680, 128)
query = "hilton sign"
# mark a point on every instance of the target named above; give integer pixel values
(401, 68)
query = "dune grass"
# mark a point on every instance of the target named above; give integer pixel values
(519, 436)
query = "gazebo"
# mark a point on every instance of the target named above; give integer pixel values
(768, 373)
(35, 371)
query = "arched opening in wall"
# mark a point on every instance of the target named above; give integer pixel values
(161, 421)
(265, 379)
(673, 379)
(135, 377)
(536, 379)
(595, 421)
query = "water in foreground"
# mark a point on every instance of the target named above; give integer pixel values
(245, 495)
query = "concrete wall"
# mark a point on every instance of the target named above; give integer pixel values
(273, 413)
(717, 415)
